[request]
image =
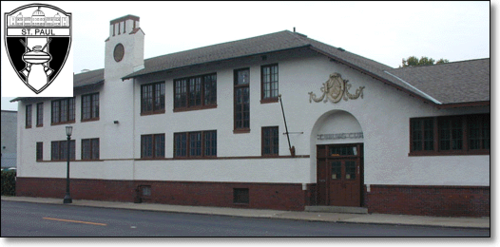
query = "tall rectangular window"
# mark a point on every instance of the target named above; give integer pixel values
(269, 80)
(39, 114)
(90, 107)
(198, 92)
(270, 141)
(28, 116)
(59, 150)
(63, 111)
(90, 149)
(153, 146)
(450, 135)
(242, 100)
(39, 151)
(196, 144)
(153, 98)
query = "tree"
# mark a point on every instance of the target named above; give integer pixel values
(414, 61)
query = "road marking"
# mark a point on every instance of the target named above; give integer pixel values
(76, 221)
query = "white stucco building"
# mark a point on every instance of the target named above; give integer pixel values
(206, 127)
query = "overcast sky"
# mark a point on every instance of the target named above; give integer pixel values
(382, 31)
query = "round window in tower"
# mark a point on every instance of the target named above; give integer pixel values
(119, 52)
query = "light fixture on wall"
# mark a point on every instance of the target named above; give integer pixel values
(116, 122)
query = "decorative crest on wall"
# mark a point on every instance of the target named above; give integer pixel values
(335, 89)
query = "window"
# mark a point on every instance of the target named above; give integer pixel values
(241, 196)
(194, 93)
(63, 111)
(153, 98)
(153, 146)
(39, 114)
(28, 116)
(270, 141)
(90, 149)
(269, 84)
(466, 134)
(59, 150)
(39, 151)
(90, 107)
(197, 144)
(241, 101)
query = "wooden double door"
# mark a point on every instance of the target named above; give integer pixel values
(339, 175)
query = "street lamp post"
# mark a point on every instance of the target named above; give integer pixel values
(67, 197)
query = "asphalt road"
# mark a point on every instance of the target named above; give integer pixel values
(21, 219)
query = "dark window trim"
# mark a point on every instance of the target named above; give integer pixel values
(203, 146)
(39, 151)
(268, 99)
(202, 105)
(153, 147)
(29, 116)
(59, 155)
(39, 117)
(240, 130)
(91, 151)
(92, 117)
(153, 98)
(59, 112)
(270, 146)
(465, 122)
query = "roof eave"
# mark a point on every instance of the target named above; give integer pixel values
(464, 104)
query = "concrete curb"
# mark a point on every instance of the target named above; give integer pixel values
(385, 219)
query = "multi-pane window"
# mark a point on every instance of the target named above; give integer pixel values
(63, 111)
(467, 134)
(90, 107)
(195, 144)
(270, 141)
(269, 81)
(28, 116)
(90, 149)
(153, 146)
(59, 150)
(39, 114)
(195, 92)
(241, 99)
(39, 151)
(153, 98)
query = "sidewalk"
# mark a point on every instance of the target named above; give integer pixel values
(465, 222)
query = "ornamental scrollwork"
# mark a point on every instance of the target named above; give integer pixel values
(336, 89)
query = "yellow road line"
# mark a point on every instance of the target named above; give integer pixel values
(76, 221)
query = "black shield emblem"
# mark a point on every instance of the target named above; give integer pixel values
(38, 41)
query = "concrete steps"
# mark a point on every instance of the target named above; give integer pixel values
(337, 209)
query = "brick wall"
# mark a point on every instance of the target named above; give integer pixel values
(429, 200)
(261, 195)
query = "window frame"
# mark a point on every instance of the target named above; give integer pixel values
(272, 148)
(154, 98)
(94, 110)
(154, 150)
(69, 112)
(39, 151)
(205, 151)
(240, 107)
(29, 116)
(207, 101)
(91, 149)
(60, 155)
(39, 114)
(464, 123)
(270, 99)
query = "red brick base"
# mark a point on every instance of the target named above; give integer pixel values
(261, 195)
(429, 200)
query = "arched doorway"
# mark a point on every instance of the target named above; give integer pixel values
(337, 138)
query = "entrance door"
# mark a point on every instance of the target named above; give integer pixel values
(339, 175)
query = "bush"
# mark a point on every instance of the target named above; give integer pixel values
(9, 183)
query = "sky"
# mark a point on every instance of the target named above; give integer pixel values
(385, 32)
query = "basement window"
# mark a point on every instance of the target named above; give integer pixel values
(241, 196)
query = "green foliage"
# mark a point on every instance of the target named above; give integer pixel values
(414, 61)
(8, 183)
